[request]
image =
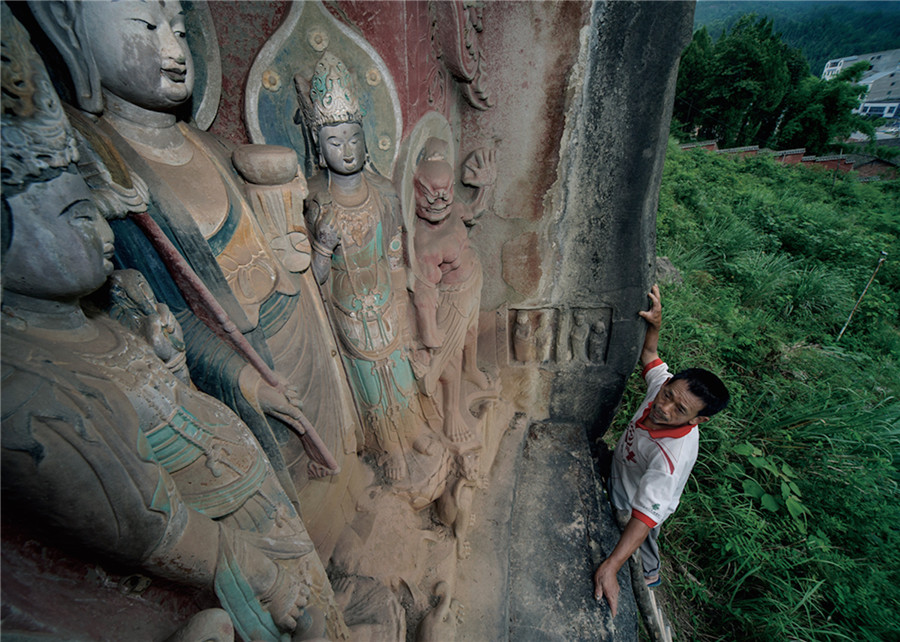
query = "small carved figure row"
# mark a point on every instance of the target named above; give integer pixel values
(559, 336)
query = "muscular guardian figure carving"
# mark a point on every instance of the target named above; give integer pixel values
(447, 290)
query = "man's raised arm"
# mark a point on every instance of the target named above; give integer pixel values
(653, 317)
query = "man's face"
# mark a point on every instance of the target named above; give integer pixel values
(61, 245)
(675, 405)
(141, 51)
(343, 147)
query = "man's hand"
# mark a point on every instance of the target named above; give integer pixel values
(605, 582)
(653, 317)
(606, 585)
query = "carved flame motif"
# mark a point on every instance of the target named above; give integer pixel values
(457, 29)
(18, 87)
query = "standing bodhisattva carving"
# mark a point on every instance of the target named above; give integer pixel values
(358, 258)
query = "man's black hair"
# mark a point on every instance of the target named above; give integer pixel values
(707, 387)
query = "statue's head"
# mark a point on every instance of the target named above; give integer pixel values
(133, 49)
(433, 182)
(332, 111)
(56, 245)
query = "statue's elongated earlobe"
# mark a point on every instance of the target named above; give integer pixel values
(63, 23)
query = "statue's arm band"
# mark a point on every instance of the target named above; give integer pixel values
(318, 248)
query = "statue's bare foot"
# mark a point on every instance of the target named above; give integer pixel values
(458, 610)
(422, 357)
(393, 466)
(455, 428)
(463, 549)
(426, 445)
(343, 591)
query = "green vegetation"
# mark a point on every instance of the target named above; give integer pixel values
(750, 88)
(821, 30)
(790, 525)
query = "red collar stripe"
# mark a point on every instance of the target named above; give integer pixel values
(675, 433)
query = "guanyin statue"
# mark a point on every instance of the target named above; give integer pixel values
(358, 258)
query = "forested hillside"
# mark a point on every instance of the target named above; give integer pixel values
(790, 525)
(821, 30)
(748, 87)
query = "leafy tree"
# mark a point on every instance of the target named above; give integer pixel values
(750, 88)
(693, 74)
(735, 90)
(822, 30)
(821, 110)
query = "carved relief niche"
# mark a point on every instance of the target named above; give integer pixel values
(555, 337)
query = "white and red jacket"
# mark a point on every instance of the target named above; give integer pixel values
(651, 467)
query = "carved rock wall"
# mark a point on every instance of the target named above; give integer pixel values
(603, 223)
(576, 98)
(583, 103)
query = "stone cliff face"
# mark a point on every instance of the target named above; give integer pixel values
(572, 102)
(576, 97)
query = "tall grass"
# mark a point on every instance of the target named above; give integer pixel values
(789, 528)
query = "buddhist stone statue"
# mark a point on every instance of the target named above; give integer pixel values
(246, 243)
(447, 290)
(357, 237)
(103, 445)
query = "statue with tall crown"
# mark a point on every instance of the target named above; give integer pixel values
(104, 447)
(357, 238)
(225, 246)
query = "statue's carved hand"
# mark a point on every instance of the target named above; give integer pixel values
(163, 333)
(282, 402)
(135, 305)
(480, 168)
(327, 236)
(326, 229)
(281, 405)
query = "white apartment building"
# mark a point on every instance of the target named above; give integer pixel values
(882, 81)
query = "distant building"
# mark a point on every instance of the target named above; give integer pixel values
(882, 81)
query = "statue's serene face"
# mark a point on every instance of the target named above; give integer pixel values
(141, 51)
(434, 190)
(343, 147)
(61, 245)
